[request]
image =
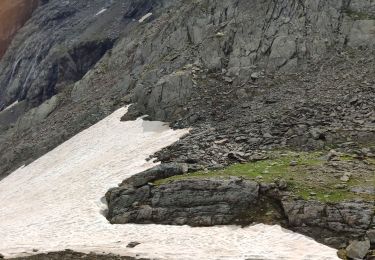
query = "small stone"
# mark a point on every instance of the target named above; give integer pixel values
(35, 250)
(267, 135)
(281, 184)
(340, 186)
(342, 254)
(313, 194)
(293, 163)
(228, 79)
(358, 249)
(246, 105)
(133, 244)
(371, 236)
(332, 155)
(222, 141)
(254, 76)
(345, 177)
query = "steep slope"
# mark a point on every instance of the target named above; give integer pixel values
(247, 76)
(235, 45)
(13, 15)
(56, 203)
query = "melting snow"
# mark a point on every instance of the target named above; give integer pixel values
(145, 17)
(101, 11)
(55, 203)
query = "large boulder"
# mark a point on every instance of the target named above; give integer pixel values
(358, 249)
(196, 202)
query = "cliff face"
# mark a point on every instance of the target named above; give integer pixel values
(13, 15)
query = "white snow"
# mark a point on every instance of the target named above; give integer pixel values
(55, 203)
(12, 105)
(145, 17)
(101, 11)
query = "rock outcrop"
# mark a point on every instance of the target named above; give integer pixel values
(13, 15)
(197, 203)
(218, 201)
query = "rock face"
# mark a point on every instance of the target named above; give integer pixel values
(202, 203)
(348, 219)
(13, 15)
(217, 201)
(358, 249)
(61, 42)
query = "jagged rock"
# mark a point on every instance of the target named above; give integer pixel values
(358, 249)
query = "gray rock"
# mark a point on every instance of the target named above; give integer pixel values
(371, 236)
(201, 202)
(362, 34)
(133, 244)
(283, 49)
(358, 249)
(345, 217)
(161, 171)
(38, 114)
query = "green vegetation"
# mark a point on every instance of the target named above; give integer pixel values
(359, 15)
(306, 174)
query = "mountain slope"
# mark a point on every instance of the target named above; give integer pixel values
(249, 77)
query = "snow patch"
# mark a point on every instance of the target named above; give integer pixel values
(101, 11)
(56, 203)
(145, 17)
(10, 106)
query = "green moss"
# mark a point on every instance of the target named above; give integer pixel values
(359, 15)
(306, 178)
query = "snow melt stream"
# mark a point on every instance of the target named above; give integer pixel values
(55, 203)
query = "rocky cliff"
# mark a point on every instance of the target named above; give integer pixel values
(13, 15)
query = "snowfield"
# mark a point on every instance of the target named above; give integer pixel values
(55, 203)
